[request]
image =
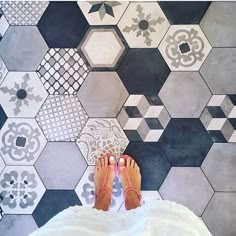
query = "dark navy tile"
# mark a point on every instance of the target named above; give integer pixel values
(153, 123)
(153, 100)
(153, 164)
(233, 122)
(185, 142)
(63, 25)
(3, 117)
(133, 135)
(184, 12)
(143, 71)
(217, 136)
(216, 112)
(232, 98)
(53, 202)
(133, 112)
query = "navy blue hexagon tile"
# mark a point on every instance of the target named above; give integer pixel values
(3, 117)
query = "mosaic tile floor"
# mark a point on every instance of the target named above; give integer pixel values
(153, 80)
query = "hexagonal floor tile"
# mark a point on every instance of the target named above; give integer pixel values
(17, 225)
(3, 117)
(220, 214)
(52, 161)
(221, 157)
(61, 118)
(22, 48)
(193, 192)
(102, 47)
(99, 137)
(107, 94)
(184, 47)
(219, 23)
(103, 12)
(22, 141)
(85, 190)
(143, 118)
(143, 24)
(53, 202)
(220, 63)
(3, 70)
(219, 118)
(63, 25)
(22, 94)
(62, 71)
(21, 189)
(3, 25)
(153, 164)
(185, 94)
(185, 142)
(2, 165)
(143, 71)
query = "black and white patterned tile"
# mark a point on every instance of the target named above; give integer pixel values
(3, 24)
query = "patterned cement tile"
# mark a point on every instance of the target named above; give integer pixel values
(143, 25)
(62, 71)
(55, 155)
(21, 189)
(103, 12)
(85, 190)
(22, 141)
(2, 165)
(61, 118)
(184, 47)
(143, 118)
(193, 95)
(22, 94)
(3, 24)
(99, 137)
(3, 70)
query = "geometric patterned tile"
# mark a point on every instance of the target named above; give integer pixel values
(23, 13)
(22, 94)
(99, 137)
(184, 47)
(85, 190)
(3, 117)
(60, 165)
(3, 70)
(143, 25)
(143, 118)
(103, 12)
(3, 24)
(22, 141)
(61, 118)
(20, 189)
(2, 165)
(193, 192)
(1, 213)
(193, 95)
(221, 157)
(62, 71)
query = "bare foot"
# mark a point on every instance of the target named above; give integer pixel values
(131, 199)
(103, 200)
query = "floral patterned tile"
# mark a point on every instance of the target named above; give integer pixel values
(21, 189)
(22, 141)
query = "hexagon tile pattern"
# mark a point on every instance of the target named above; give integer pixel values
(153, 80)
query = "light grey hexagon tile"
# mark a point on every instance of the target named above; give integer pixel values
(102, 94)
(143, 25)
(220, 166)
(185, 94)
(61, 118)
(102, 47)
(220, 63)
(21, 189)
(62, 71)
(103, 12)
(220, 214)
(99, 137)
(3, 70)
(61, 165)
(22, 94)
(22, 141)
(2, 164)
(22, 48)
(219, 24)
(85, 190)
(184, 47)
(3, 24)
(187, 186)
(17, 225)
(23, 12)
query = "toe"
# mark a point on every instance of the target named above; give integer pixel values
(106, 160)
(103, 162)
(112, 160)
(128, 162)
(132, 164)
(121, 162)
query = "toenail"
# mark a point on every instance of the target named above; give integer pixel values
(112, 158)
(122, 160)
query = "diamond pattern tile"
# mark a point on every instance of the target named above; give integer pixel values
(3, 24)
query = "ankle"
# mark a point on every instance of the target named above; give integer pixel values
(131, 200)
(103, 200)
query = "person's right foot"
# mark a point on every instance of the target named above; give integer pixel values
(131, 198)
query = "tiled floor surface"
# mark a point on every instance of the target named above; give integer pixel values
(154, 80)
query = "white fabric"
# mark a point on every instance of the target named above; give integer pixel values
(157, 218)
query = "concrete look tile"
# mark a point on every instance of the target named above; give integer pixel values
(61, 165)
(185, 90)
(220, 214)
(107, 94)
(187, 186)
(22, 48)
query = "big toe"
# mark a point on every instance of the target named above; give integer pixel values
(112, 160)
(121, 162)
